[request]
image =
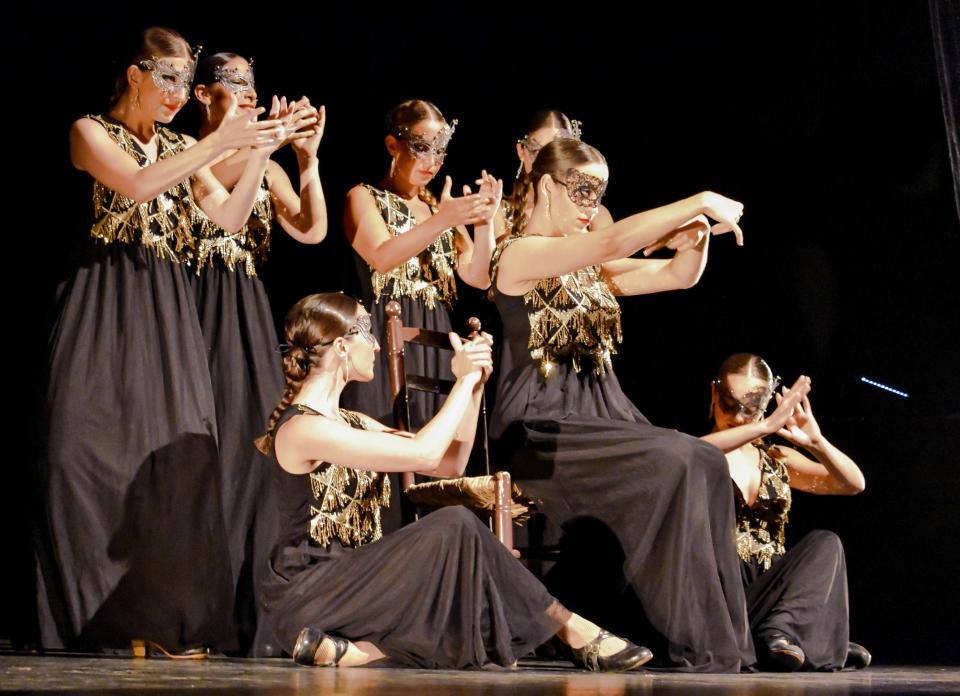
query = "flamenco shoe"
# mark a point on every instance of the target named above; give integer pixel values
(308, 643)
(782, 655)
(858, 657)
(589, 657)
(148, 648)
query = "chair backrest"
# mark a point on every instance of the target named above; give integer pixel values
(401, 381)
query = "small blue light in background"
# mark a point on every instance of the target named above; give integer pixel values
(885, 388)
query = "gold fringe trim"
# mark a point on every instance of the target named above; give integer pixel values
(571, 316)
(164, 224)
(761, 529)
(243, 248)
(430, 276)
(351, 518)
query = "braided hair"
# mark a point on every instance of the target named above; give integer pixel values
(311, 326)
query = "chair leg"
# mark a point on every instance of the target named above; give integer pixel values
(502, 519)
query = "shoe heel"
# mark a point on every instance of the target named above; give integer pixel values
(147, 648)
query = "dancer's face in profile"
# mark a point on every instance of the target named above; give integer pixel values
(740, 399)
(417, 161)
(532, 144)
(362, 346)
(236, 78)
(574, 199)
(161, 86)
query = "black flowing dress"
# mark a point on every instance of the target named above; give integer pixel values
(441, 592)
(650, 504)
(800, 594)
(425, 286)
(247, 375)
(131, 540)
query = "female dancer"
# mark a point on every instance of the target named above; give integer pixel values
(441, 592)
(545, 125)
(797, 600)
(579, 446)
(131, 537)
(410, 246)
(235, 316)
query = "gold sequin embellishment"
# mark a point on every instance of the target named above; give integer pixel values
(243, 248)
(164, 224)
(571, 317)
(761, 528)
(428, 276)
(347, 501)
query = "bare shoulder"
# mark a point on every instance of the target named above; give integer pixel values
(88, 129)
(359, 194)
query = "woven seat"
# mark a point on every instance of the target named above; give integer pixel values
(474, 492)
(493, 493)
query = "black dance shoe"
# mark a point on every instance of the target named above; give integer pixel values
(589, 657)
(308, 642)
(858, 656)
(782, 655)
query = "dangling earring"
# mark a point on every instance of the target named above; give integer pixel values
(519, 170)
(393, 168)
(549, 216)
(346, 367)
(136, 98)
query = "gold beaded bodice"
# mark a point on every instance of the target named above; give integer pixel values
(346, 502)
(761, 528)
(430, 275)
(243, 248)
(572, 317)
(164, 224)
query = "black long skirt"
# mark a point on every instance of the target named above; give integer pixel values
(247, 377)
(803, 596)
(439, 593)
(131, 540)
(648, 521)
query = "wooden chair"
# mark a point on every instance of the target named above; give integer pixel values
(491, 493)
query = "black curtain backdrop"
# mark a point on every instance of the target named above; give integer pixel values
(945, 24)
(825, 119)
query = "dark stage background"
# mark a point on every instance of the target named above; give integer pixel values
(825, 121)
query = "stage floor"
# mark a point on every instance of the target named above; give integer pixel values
(106, 676)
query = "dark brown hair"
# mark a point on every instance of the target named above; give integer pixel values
(158, 42)
(312, 324)
(747, 364)
(518, 201)
(209, 64)
(559, 155)
(403, 117)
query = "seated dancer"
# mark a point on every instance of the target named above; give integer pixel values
(544, 126)
(442, 592)
(579, 446)
(797, 599)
